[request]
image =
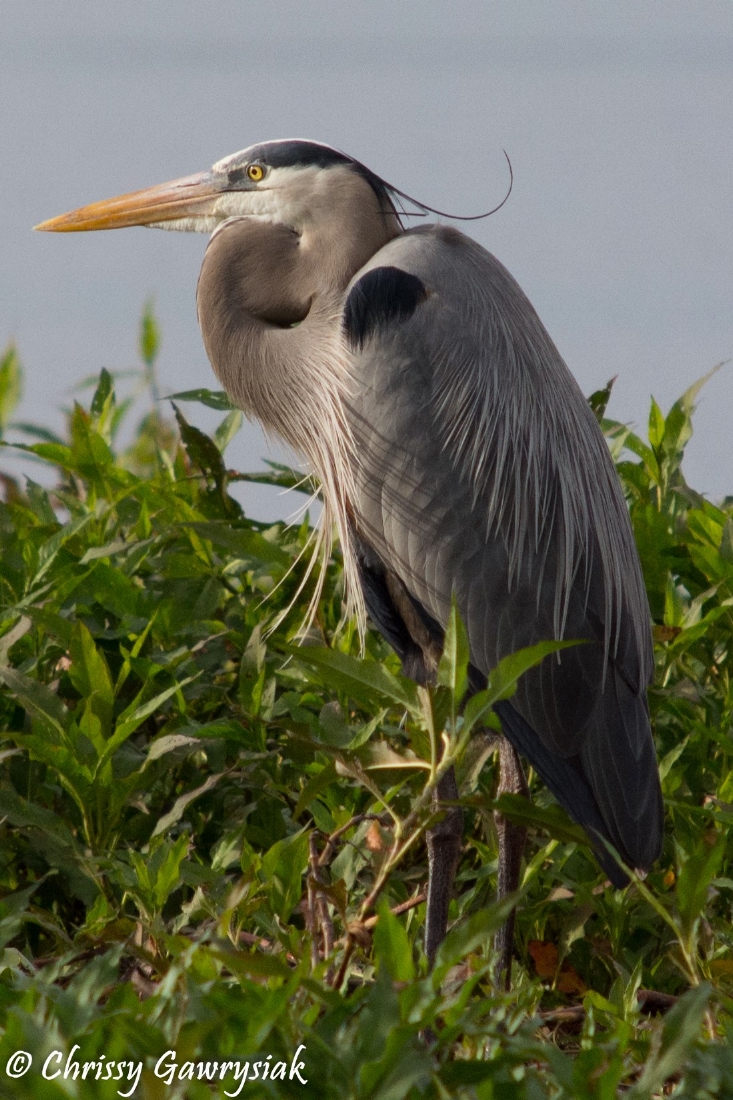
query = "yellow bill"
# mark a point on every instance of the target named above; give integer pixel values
(191, 196)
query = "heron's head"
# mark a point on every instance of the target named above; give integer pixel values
(288, 182)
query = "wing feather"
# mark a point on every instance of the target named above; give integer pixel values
(481, 471)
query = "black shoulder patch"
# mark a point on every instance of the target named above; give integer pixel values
(381, 297)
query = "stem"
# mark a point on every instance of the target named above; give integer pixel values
(402, 844)
(403, 907)
(690, 964)
(427, 709)
(312, 922)
(338, 833)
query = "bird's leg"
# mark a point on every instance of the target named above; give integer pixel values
(444, 839)
(511, 849)
(444, 849)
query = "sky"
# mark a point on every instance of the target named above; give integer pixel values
(617, 119)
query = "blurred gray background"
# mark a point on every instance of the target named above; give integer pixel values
(618, 119)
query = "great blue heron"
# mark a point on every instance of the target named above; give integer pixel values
(457, 457)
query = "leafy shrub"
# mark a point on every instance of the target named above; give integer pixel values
(211, 835)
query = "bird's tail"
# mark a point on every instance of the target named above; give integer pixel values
(576, 787)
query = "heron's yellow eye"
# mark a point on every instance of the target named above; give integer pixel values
(255, 172)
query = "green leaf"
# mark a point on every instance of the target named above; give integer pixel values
(392, 948)
(13, 904)
(670, 759)
(503, 680)
(680, 1031)
(552, 819)
(91, 455)
(179, 806)
(134, 716)
(90, 676)
(206, 456)
(283, 867)
(285, 477)
(159, 873)
(11, 385)
(36, 431)
(149, 336)
(37, 699)
(202, 450)
(102, 393)
(39, 502)
(23, 813)
(170, 742)
(252, 964)
(453, 667)
(364, 680)
(10, 637)
(109, 550)
(598, 400)
(379, 756)
(49, 550)
(471, 935)
(228, 428)
(237, 538)
(315, 786)
(213, 399)
(678, 427)
(656, 425)
(695, 877)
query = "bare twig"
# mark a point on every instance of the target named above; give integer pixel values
(326, 923)
(310, 912)
(264, 944)
(398, 910)
(319, 916)
(650, 1001)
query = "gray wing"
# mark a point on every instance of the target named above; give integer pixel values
(481, 471)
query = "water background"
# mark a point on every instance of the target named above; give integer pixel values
(618, 120)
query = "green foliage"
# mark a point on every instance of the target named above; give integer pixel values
(599, 400)
(11, 386)
(149, 336)
(211, 836)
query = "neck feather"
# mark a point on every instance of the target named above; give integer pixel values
(270, 300)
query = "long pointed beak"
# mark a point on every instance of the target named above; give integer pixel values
(192, 196)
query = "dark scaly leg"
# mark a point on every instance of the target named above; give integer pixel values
(444, 849)
(511, 850)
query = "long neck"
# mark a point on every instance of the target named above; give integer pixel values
(270, 297)
(270, 300)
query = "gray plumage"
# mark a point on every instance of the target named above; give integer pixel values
(481, 470)
(456, 455)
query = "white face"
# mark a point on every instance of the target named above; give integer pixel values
(281, 196)
(249, 188)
